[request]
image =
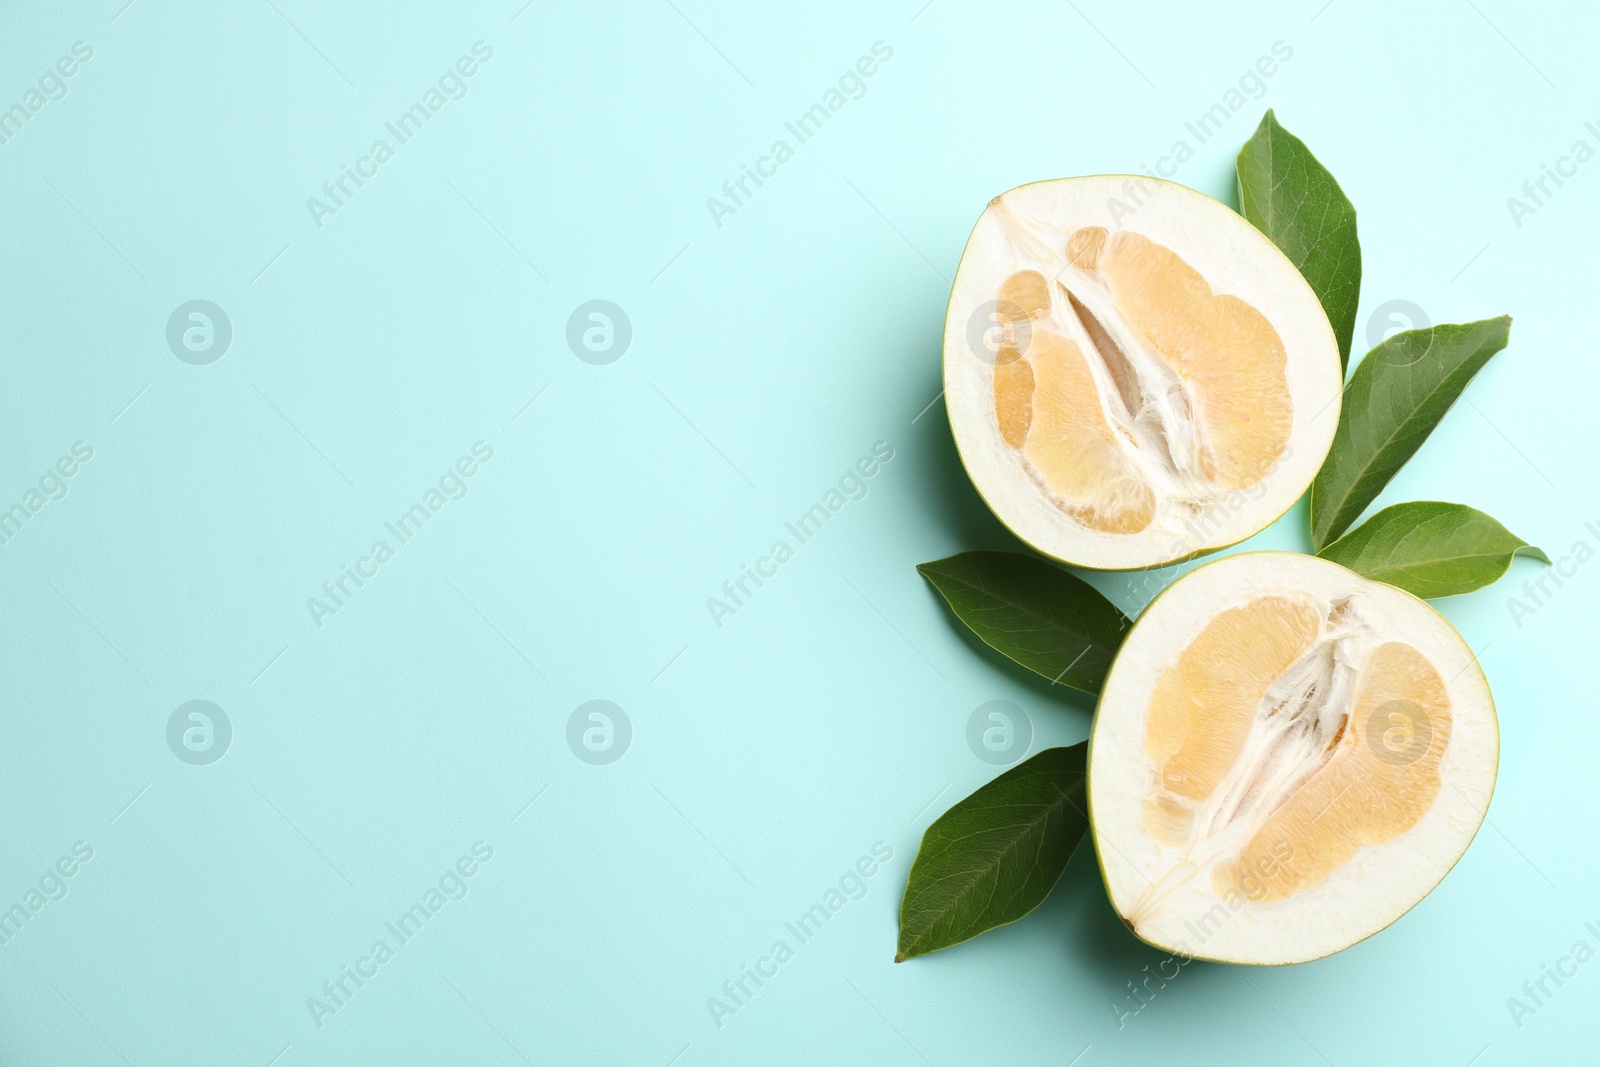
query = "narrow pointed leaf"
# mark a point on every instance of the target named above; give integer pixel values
(996, 855)
(1050, 621)
(1290, 197)
(1430, 548)
(1395, 398)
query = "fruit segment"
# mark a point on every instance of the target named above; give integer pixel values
(1084, 246)
(1013, 396)
(1222, 348)
(1383, 778)
(1026, 294)
(1071, 446)
(1206, 703)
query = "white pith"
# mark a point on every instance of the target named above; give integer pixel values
(1027, 229)
(1166, 892)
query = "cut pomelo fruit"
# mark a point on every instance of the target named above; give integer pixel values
(1134, 374)
(1285, 759)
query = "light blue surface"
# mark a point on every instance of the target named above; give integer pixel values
(768, 353)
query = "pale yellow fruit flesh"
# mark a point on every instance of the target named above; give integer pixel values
(1377, 777)
(1373, 790)
(1206, 703)
(1072, 447)
(1224, 348)
(1074, 430)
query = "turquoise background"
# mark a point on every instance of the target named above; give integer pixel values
(768, 353)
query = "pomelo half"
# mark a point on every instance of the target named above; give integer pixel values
(1134, 374)
(1285, 759)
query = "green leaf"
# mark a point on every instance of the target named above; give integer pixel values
(1395, 398)
(1430, 548)
(1050, 621)
(996, 855)
(1290, 197)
